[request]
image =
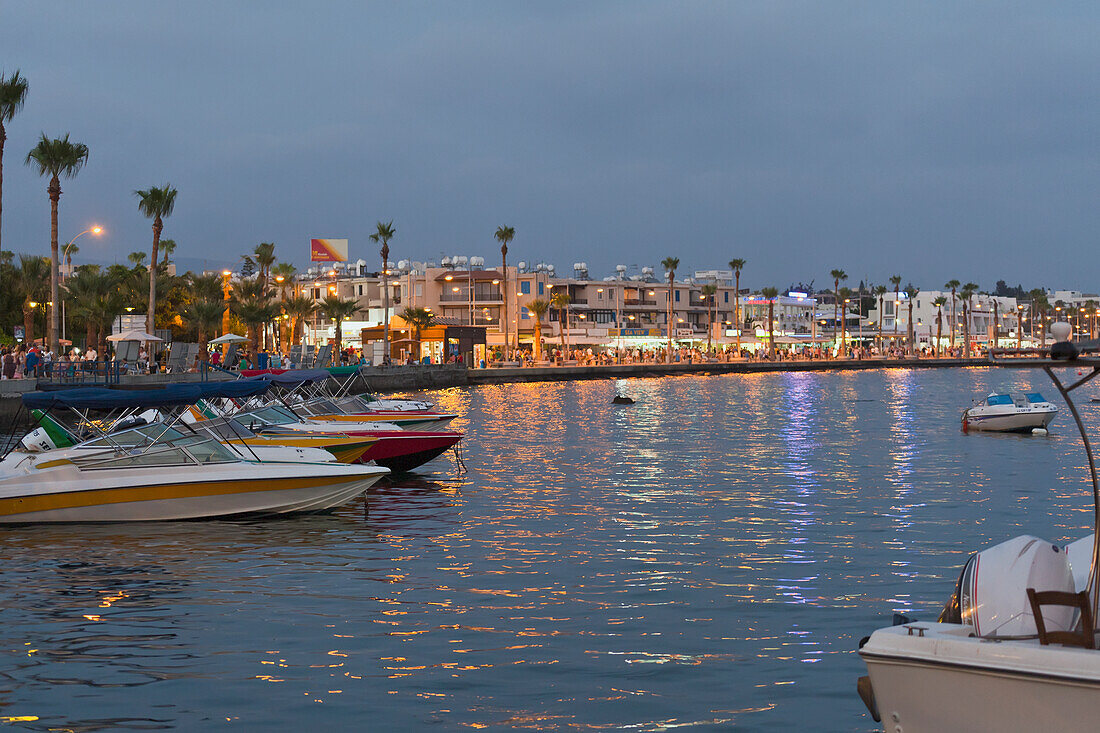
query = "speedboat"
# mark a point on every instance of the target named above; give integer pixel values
(154, 472)
(1014, 412)
(1015, 648)
(396, 449)
(351, 408)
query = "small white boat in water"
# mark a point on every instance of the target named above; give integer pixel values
(1014, 412)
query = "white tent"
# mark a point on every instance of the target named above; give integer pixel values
(228, 338)
(134, 335)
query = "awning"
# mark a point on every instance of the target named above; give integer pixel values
(102, 398)
(286, 377)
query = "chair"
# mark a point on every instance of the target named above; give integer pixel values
(1084, 638)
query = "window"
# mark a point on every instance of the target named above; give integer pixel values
(540, 287)
(727, 297)
(419, 290)
(677, 296)
(525, 288)
(524, 313)
(360, 289)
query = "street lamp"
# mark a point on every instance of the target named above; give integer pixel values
(94, 229)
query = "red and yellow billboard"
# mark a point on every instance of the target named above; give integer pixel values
(328, 250)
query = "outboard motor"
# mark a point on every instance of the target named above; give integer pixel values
(38, 441)
(991, 593)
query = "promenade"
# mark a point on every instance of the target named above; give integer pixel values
(406, 378)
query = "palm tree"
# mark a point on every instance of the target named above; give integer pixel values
(204, 316)
(538, 308)
(953, 285)
(13, 93)
(167, 246)
(709, 291)
(504, 235)
(299, 308)
(156, 204)
(737, 265)
(383, 234)
(339, 310)
(911, 292)
(939, 302)
(837, 276)
(70, 250)
(97, 300)
(967, 294)
(880, 291)
(419, 319)
(895, 280)
(843, 295)
(264, 257)
(137, 258)
(33, 273)
(252, 304)
(560, 301)
(56, 158)
(670, 264)
(770, 294)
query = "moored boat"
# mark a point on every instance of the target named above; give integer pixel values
(1015, 412)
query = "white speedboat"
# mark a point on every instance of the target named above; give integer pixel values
(153, 472)
(1015, 412)
(1014, 650)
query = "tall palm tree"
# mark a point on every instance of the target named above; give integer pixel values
(560, 300)
(737, 265)
(953, 286)
(299, 308)
(32, 275)
(770, 294)
(843, 295)
(504, 235)
(538, 308)
(880, 292)
(56, 158)
(339, 310)
(670, 264)
(70, 250)
(895, 280)
(419, 319)
(97, 300)
(939, 303)
(837, 276)
(13, 93)
(967, 294)
(156, 204)
(382, 235)
(709, 291)
(911, 292)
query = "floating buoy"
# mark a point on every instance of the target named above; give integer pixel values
(622, 400)
(1039, 431)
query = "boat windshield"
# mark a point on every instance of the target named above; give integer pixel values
(270, 415)
(321, 407)
(1035, 397)
(186, 450)
(998, 399)
(352, 404)
(135, 437)
(224, 428)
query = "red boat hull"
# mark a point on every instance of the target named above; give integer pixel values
(400, 450)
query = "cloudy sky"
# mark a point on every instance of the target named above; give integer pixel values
(934, 140)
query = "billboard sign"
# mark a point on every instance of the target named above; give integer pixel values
(328, 250)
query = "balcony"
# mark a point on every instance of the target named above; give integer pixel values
(463, 296)
(638, 302)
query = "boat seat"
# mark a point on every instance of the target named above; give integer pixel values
(1083, 638)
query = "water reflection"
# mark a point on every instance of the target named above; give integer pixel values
(705, 557)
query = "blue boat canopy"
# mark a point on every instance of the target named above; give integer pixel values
(1035, 397)
(170, 395)
(998, 399)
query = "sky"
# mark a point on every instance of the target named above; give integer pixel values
(933, 140)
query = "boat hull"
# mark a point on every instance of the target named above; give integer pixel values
(1015, 422)
(402, 452)
(945, 681)
(151, 500)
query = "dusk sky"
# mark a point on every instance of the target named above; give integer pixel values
(931, 140)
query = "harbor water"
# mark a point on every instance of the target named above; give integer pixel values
(708, 557)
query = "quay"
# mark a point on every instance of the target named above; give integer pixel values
(408, 378)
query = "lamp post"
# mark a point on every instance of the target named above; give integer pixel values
(94, 229)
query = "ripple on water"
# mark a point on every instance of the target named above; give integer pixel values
(706, 557)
